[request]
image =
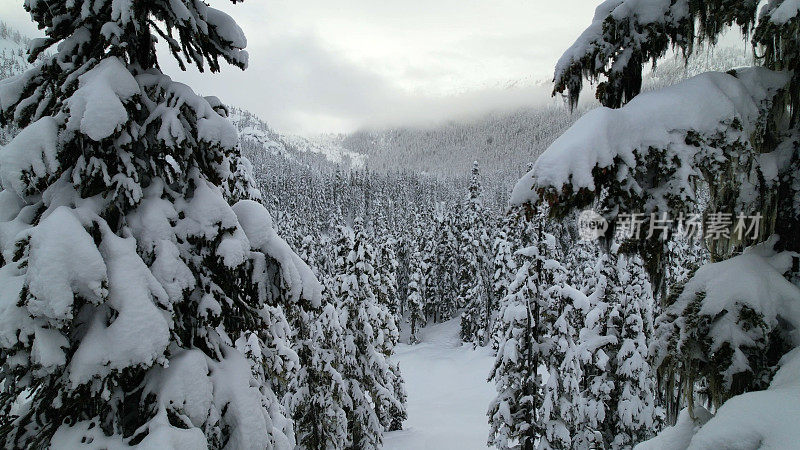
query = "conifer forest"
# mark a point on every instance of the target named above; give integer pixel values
(218, 232)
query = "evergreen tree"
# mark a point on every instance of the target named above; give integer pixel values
(636, 415)
(318, 395)
(504, 264)
(445, 260)
(430, 283)
(387, 276)
(132, 276)
(513, 414)
(518, 415)
(651, 169)
(416, 313)
(476, 289)
(370, 337)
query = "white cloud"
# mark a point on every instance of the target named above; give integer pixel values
(322, 65)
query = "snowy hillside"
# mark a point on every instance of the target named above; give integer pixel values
(13, 48)
(293, 147)
(505, 142)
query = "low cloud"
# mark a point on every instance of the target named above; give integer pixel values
(298, 85)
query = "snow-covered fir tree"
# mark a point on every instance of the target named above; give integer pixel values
(386, 269)
(503, 250)
(318, 396)
(138, 261)
(730, 136)
(373, 384)
(415, 301)
(476, 281)
(516, 413)
(637, 413)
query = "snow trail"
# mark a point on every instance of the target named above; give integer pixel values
(447, 392)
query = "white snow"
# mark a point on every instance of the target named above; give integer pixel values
(448, 392)
(162, 435)
(96, 108)
(677, 437)
(231, 381)
(657, 119)
(765, 419)
(755, 279)
(227, 28)
(140, 332)
(63, 261)
(768, 419)
(33, 151)
(592, 34)
(184, 385)
(211, 126)
(785, 12)
(256, 222)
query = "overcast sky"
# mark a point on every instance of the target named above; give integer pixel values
(334, 66)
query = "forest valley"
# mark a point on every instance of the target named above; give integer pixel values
(175, 274)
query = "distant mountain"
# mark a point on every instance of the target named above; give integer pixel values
(253, 130)
(505, 143)
(502, 143)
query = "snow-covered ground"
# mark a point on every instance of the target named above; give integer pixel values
(447, 392)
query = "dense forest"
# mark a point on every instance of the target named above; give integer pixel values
(176, 273)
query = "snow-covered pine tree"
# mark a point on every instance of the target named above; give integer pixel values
(445, 262)
(636, 413)
(720, 149)
(386, 272)
(560, 411)
(476, 289)
(318, 395)
(741, 336)
(581, 262)
(308, 252)
(370, 336)
(738, 141)
(505, 267)
(516, 413)
(513, 418)
(129, 277)
(415, 301)
(430, 283)
(404, 253)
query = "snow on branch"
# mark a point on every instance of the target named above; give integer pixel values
(683, 129)
(626, 34)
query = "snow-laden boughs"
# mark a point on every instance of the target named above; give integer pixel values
(625, 35)
(621, 150)
(732, 137)
(138, 305)
(734, 133)
(372, 381)
(728, 326)
(516, 413)
(475, 290)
